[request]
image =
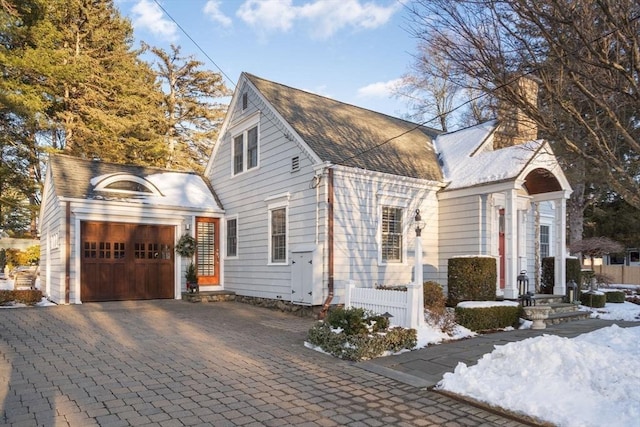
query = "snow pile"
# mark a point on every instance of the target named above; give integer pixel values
(581, 382)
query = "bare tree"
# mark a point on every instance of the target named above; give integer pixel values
(595, 247)
(585, 55)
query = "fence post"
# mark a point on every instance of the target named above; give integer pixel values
(412, 301)
(347, 297)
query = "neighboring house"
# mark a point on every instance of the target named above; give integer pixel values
(318, 194)
(108, 231)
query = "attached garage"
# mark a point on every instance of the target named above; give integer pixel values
(126, 261)
(109, 231)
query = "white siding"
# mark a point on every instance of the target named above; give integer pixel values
(246, 196)
(359, 196)
(52, 258)
(462, 221)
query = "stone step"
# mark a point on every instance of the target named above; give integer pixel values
(549, 299)
(563, 308)
(208, 296)
(557, 318)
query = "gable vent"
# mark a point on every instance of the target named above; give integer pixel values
(245, 101)
(295, 164)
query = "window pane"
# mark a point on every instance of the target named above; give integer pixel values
(232, 237)
(544, 241)
(391, 234)
(278, 235)
(252, 148)
(237, 154)
(205, 248)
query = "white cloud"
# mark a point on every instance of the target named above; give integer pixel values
(212, 10)
(268, 15)
(148, 15)
(379, 89)
(324, 17)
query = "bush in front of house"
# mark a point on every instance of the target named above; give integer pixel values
(435, 304)
(471, 279)
(615, 296)
(547, 278)
(28, 296)
(357, 334)
(488, 318)
(593, 299)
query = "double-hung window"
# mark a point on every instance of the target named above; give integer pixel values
(246, 146)
(392, 236)
(278, 209)
(544, 241)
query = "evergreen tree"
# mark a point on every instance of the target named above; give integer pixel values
(191, 108)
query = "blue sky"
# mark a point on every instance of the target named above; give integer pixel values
(349, 50)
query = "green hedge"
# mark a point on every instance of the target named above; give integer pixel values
(615, 296)
(547, 279)
(363, 336)
(488, 318)
(471, 279)
(28, 296)
(593, 300)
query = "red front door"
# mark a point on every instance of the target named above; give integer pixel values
(208, 251)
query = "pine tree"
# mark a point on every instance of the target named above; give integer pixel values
(190, 105)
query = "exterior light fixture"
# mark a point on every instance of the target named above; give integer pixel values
(419, 223)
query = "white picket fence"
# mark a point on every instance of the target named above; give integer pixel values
(397, 303)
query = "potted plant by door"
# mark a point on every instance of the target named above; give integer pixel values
(192, 279)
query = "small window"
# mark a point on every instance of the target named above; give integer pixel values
(232, 237)
(391, 239)
(245, 101)
(238, 164)
(252, 148)
(295, 164)
(132, 186)
(279, 235)
(544, 241)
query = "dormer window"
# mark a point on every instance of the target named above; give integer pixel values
(126, 183)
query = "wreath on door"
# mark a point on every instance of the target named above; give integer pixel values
(186, 246)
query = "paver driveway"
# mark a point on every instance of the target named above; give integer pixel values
(173, 363)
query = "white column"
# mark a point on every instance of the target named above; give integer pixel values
(559, 287)
(511, 245)
(419, 282)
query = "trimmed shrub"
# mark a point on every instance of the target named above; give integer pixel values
(547, 278)
(488, 318)
(28, 296)
(363, 335)
(471, 279)
(615, 296)
(434, 299)
(594, 300)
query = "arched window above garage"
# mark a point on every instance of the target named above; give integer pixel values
(126, 183)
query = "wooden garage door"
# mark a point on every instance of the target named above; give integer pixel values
(126, 261)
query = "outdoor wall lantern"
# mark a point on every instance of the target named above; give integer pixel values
(419, 223)
(572, 291)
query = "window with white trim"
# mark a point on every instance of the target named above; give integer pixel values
(232, 237)
(544, 241)
(391, 241)
(278, 235)
(278, 228)
(246, 150)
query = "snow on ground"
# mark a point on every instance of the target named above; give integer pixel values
(585, 381)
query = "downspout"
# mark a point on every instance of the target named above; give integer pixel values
(67, 261)
(327, 303)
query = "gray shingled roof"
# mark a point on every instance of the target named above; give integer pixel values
(72, 177)
(352, 136)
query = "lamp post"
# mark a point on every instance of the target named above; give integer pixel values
(418, 276)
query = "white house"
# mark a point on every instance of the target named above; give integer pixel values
(318, 194)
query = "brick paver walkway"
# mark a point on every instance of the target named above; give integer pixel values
(172, 363)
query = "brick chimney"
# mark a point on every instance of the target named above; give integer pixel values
(514, 126)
